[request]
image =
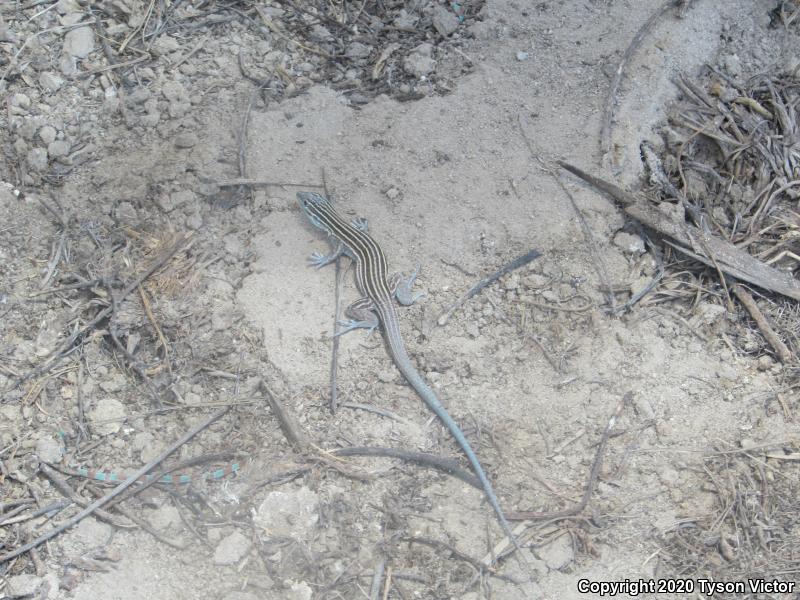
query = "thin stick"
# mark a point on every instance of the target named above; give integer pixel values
(446, 465)
(262, 183)
(518, 262)
(377, 578)
(784, 354)
(68, 344)
(608, 109)
(593, 473)
(100, 502)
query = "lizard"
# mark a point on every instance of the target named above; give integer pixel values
(377, 308)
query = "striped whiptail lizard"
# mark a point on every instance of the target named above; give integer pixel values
(377, 307)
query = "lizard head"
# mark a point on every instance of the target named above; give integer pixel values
(317, 207)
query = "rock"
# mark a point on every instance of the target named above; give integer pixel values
(151, 119)
(444, 21)
(727, 373)
(24, 585)
(138, 96)
(112, 384)
(142, 440)
(512, 283)
(37, 159)
(126, 212)
(174, 91)
(48, 134)
(165, 44)
(233, 245)
(231, 549)
(194, 221)
(358, 50)
(50, 81)
(176, 111)
(420, 61)
(733, 65)
(288, 514)
(21, 100)
(67, 6)
(320, 34)
(299, 590)
(68, 65)
(106, 418)
(559, 554)
(186, 140)
(49, 449)
(522, 56)
(222, 316)
(630, 244)
(164, 517)
(392, 193)
(178, 199)
(91, 533)
(765, 363)
(20, 146)
(405, 20)
(79, 42)
(58, 149)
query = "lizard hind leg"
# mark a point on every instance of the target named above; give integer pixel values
(400, 287)
(362, 316)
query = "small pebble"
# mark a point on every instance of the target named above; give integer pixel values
(58, 148)
(37, 159)
(186, 140)
(522, 56)
(48, 134)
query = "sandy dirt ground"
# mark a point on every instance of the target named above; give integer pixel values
(459, 180)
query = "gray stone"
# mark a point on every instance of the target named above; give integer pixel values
(151, 119)
(126, 212)
(358, 50)
(67, 65)
(24, 585)
(222, 316)
(320, 34)
(49, 449)
(37, 159)
(164, 517)
(630, 244)
(231, 549)
(405, 20)
(194, 221)
(420, 61)
(299, 590)
(20, 146)
(733, 65)
(50, 81)
(174, 91)
(178, 199)
(48, 134)
(522, 56)
(21, 100)
(106, 418)
(186, 140)
(138, 96)
(79, 42)
(559, 554)
(58, 149)
(444, 21)
(288, 513)
(90, 533)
